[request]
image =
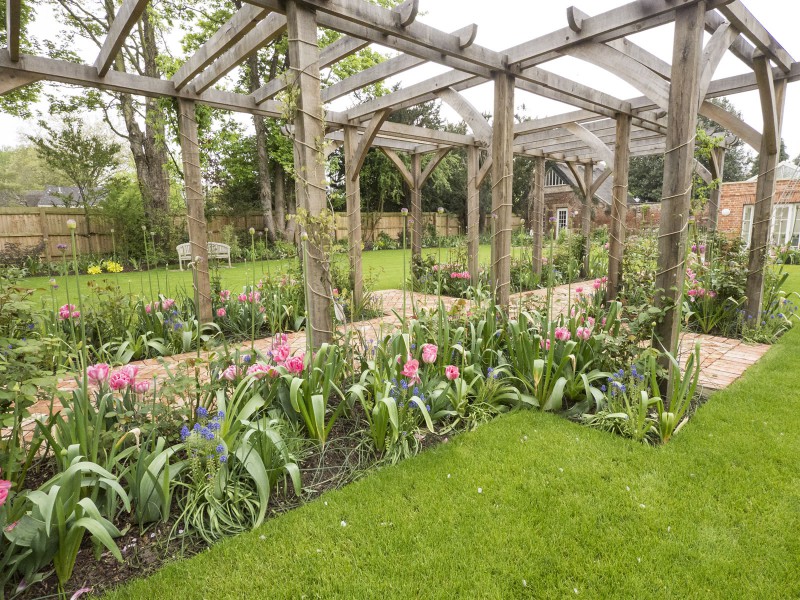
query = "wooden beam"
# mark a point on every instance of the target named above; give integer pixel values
(624, 67)
(678, 165)
(473, 213)
(715, 49)
(412, 92)
(744, 21)
(732, 123)
(599, 181)
(363, 19)
(586, 217)
(619, 207)
(373, 74)
(486, 167)
(13, 27)
(359, 153)
(195, 206)
(379, 141)
(471, 115)
(703, 172)
(309, 129)
(615, 23)
(264, 33)
(11, 80)
(432, 164)
(353, 202)
(740, 48)
(502, 179)
(233, 30)
(579, 180)
(717, 168)
(400, 165)
(591, 140)
(769, 109)
(127, 16)
(416, 205)
(333, 53)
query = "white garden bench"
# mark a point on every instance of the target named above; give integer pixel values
(215, 250)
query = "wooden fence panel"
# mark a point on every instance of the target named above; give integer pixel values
(29, 226)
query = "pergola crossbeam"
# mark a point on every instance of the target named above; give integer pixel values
(127, 16)
(234, 29)
(744, 21)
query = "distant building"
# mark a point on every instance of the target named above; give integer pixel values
(54, 195)
(737, 203)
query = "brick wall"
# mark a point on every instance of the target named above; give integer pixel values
(736, 195)
(639, 216)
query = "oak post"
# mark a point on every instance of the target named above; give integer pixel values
(311, 184)
(195, 206)
(473, 213)
(586, 216)
(416, 205)
(717, 167)
(539, 166)
(773, 95)
(353, 193)
(619, 206)
(502, 179)
(678, 167)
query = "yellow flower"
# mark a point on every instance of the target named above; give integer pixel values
(113, 267)
(95, 270)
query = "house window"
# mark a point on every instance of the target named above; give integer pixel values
(553, 179)
(780, 224)
(561, 219)
(794, 239)
(747, 224)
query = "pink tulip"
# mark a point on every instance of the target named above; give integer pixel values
(5, 488)
(260, 370)
(141, 387)
(221, 312)
(148, 308)
(545, 344)
(295, 364)
(231, 373)
(410, 369)
(583, 333)
(280, 354)
(119, 380)
(451, 372)
(429, 352)
(597, 284)
(225, 295)
(578, 290)
(131, 371)
(562, 334)
(97, 373)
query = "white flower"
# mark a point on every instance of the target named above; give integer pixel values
(480, 490)
(344, 523)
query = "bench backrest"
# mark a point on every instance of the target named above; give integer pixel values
(215, 250)
(184, 250)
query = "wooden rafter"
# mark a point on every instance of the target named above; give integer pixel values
(471, 115)
(265, 32)
(234, 29)
(401, 166)
(127, 16)
(371, 130)
(744, 21)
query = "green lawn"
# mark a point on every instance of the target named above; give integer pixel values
(383, 268)
(563, 511)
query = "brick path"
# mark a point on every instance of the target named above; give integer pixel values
(723, 360)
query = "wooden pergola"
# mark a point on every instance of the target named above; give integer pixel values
(602, 129)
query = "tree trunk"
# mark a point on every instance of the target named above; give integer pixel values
(265, 185)
(280, 202)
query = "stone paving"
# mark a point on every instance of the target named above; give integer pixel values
(723, 360)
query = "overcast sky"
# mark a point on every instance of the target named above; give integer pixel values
(504, 23)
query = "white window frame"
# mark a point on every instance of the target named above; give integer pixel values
(559, 213)
(775, 237)
(747, 224)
